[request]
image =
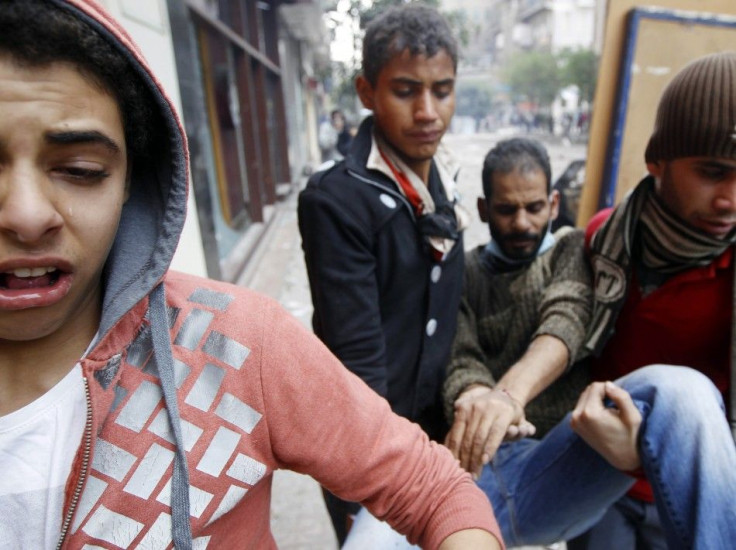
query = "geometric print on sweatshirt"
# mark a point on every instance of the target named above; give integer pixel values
(133, 457)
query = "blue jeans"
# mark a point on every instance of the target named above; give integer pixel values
(556, 488)
(630, 523)
(543, 491)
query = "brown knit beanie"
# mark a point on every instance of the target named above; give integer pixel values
(697, 112)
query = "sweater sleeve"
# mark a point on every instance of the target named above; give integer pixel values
(325, 422)
(341, 268)
(566, 305)
(468, 361)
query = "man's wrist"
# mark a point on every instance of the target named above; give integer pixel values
(508, 395)
(475, 388)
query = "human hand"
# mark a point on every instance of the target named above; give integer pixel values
(611, 431)
(519, 431)
(483, 419)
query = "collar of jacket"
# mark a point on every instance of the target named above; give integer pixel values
(360, 150)
(355, 164)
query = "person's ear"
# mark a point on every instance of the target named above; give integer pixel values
(365, 91)
(554, 204)
(483, 209)
(655, 168)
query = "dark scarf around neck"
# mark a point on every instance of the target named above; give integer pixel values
(664, 244)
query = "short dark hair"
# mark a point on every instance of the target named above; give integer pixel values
(37, 33)
(416, 27)
(522, 154)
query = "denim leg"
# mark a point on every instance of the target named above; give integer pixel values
(650, 532)
(630, 524)
(543, 491)
(612, 532)
(688, 455)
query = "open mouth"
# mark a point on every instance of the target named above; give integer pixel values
(28, 278)
(31, 287)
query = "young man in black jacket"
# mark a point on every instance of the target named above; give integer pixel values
(382, 230)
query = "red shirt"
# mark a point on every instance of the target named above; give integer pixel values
(686, 321)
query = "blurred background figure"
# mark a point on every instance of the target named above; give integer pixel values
(334, 137)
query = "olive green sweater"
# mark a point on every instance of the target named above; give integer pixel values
(501, 313)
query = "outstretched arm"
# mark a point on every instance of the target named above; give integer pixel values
(485, 416)
(323, 421)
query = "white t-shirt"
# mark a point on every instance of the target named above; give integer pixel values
(37, 446)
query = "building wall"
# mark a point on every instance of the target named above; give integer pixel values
(510, 26)
(148, 24)
(572, 24)
(247, 117)
(267, 104)
(300, 93)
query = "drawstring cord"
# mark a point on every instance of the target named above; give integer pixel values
(181, 531)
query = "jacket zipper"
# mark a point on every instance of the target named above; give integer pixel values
(85, 466)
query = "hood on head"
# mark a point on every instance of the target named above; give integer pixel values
(151, 223)
(153, 217)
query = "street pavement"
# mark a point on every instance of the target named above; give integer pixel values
(299, 519)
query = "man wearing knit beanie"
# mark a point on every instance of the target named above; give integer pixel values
(664, 295)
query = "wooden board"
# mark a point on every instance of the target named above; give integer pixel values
(658, 41)
(646, 71)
